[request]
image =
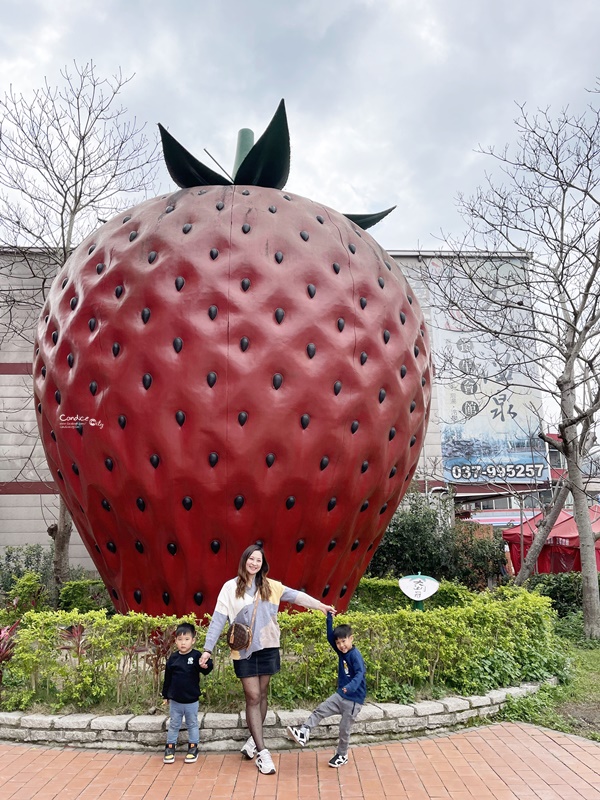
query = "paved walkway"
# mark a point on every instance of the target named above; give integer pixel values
(504, 761)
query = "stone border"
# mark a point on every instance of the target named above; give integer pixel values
(224, 732)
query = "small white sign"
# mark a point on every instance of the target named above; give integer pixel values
(418, 587)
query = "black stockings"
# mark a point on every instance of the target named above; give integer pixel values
(256, 690)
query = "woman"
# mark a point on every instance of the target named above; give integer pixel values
(255, 665)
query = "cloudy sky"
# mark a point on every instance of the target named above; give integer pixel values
(387, 99)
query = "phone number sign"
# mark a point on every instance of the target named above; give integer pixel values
(477, 472)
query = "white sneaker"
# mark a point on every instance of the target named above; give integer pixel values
(249, 749)
(265, 764)
(298, 735)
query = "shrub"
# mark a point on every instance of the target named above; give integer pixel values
(85, 595)
(565, 589)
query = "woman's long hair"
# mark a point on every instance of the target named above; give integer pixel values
(262, 584)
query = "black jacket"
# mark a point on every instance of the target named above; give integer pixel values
(182, 676)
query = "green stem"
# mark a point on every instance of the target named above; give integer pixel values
(245, 142)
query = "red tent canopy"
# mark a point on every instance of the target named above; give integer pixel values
(561, 551)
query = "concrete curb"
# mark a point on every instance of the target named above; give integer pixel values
(226, 732)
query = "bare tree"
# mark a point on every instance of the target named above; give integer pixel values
(539, 317)
(70, 157)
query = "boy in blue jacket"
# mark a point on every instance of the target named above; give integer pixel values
(349, 697)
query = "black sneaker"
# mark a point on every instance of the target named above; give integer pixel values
(169, 754)
(192, 754)
(338, 761)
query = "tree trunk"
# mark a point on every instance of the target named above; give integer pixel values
(61, 533)
(587, 550)
(539, 540)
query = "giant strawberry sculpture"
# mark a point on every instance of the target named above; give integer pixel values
(225, 364)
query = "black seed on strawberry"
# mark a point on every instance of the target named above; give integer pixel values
(105, 504)
(305, 421)
(355, 544)
(122, 421)
(403, 371)
(172, 548)
(220, 206)
(381, 395)
(57, 396)
(114, 593)
(392, 433)
(211, 379)
(311, 289)
(198, 598)
(59, 473)
(180, 417)
(139, 546)
(238, 501)
(386, 336)
(108, 463)
(270, 459)
(409, 298)
(320, 219)
(152, 256)
(179, 283)
(177, 344)
(245, 284)
(383, 508)
(299, 545)
(363, 358)
(279, 315)
(243, 418)
(145, 315)
(91, 250)
(363, 302)
(79, 428)
(245, 192)
(413, 405)
(325, 591)
(187, 503)
(352, 248)
(52, 434)
(155, 460)
(168, 209)
(423, 381)
(132, 236)
(336, 268)
(279, 256)
(215, 546)
(55, 337)
(213, 459)
(166, 598)
(354, 426)
(364, 466)
(116, 349)
(304, 236)
(213, 311)
(73, 303)
(246, 228)
(214, 253)
(290, 502)
(99, 268)
(244, 343)
(39, 408)
(413, 439)
(111, 546)
(141, 503)
(330, 506)
(324, 463)
(137, 596)
(186, 228)
(118, 291)
(311, 350)
(333, 542)
(273, 209)
(147, 381)
(64, 283)
(340, 324)
(343, 591)
(277, 380)
(416, 351)
(388, 265)
(364, 506)
(393, 471)
(402, 317)
(126, 219)
(70, 360)
(337, 387)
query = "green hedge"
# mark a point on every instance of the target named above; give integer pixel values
(69, 660)
(565, 589)
(384, 594)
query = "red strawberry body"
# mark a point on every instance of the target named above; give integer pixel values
(245, 365)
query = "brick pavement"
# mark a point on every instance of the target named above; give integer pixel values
(504, 761)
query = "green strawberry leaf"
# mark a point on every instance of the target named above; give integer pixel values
(268, 162)
(365, 221)
(186, 170)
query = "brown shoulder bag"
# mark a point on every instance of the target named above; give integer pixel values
(239, 636)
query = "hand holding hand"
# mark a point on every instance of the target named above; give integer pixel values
(204, 658)
(327, 609)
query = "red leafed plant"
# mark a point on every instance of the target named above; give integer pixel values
(8, 640)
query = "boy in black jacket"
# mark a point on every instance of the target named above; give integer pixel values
(349, 697)
(181, 688)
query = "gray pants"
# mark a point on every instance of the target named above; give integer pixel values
(336, 705)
